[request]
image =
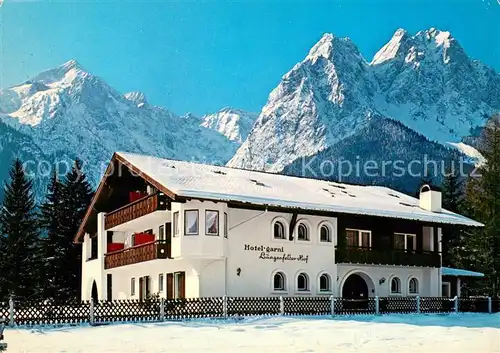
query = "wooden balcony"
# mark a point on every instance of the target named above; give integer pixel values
(136, 209)
(158, 249)
(356, 255)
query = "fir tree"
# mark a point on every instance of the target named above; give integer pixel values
(55, 245)
(76, 196)
(19, 238)
(483, 196)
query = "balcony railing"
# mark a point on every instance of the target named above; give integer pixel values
(358, 255)
(136, 209)
(158, 249)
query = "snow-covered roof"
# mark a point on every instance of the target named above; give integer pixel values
(194, 180)
(447, 271)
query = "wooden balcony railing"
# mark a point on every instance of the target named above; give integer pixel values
(158, 249)
(357, 255)
(136, 209)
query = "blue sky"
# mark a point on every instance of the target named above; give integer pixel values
(198, 57)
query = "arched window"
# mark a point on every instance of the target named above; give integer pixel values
(395, 285)
(279, 230)
(325, 235)
(413, 286)
(302, 232)
(324, 283)
(279, 282)
(302, 282)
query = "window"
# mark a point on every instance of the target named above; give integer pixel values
(359, 238)
(160, 282)
(226, 228)
(161, 233)
(405, 241)
(302, 232)
(324, 283)
(302, 282)
(132, 286)
(191, 222)
(413, 286)
(176, 224)
(279, 230)
(211, 222)
(325, 235)
(279, 282)
(395, 286)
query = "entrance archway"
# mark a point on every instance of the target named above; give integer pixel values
(94, 294)
(356, 289)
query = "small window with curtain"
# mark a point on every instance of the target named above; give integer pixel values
(161, 233)
(211, 222)
(191, 222)
(226, 226)
(175, 223)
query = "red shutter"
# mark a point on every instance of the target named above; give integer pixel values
(170, 285)
(182, 284)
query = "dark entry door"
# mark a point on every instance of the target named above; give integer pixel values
(355, 293)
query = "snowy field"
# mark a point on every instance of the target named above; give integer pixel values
(478, 333)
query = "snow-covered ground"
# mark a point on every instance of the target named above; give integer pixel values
(392, 333)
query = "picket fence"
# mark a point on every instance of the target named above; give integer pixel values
(102, 312)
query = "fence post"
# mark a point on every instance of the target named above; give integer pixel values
(332, 305)
(455, 304)
(418, 304)
(377, 305)
(92, 318)
(11, 311)
(224, 306)
(282, 306)
(162, 309)
(490, 307)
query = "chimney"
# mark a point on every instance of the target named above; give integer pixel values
(430, 198)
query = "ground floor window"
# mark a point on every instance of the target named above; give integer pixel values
(279, 281)
(413, 286)
(132, 286)
(160, 282)
(324, 283)
(395, 285)
(302, 282)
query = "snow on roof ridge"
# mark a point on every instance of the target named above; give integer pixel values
(203, 181)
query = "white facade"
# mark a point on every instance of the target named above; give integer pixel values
(244, 263)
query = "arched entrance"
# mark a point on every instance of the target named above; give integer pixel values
(356, 289)
(94, 292)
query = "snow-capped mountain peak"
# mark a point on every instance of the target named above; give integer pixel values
(138, 98)
(64, 74)
(233, 123)
(391, 49)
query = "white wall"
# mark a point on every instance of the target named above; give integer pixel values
(254, 228)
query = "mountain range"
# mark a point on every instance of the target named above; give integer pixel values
(420, 95)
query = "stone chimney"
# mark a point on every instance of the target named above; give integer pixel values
(430, 198)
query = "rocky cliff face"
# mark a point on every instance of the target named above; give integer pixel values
(425, 81)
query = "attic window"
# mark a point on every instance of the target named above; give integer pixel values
(394, 195)
(258, 183)
(219, 172)
(407, 204)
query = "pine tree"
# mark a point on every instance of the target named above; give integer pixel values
(483, 195)
(453, 195)
(19, 238)
(77, 194)
(54, 245)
